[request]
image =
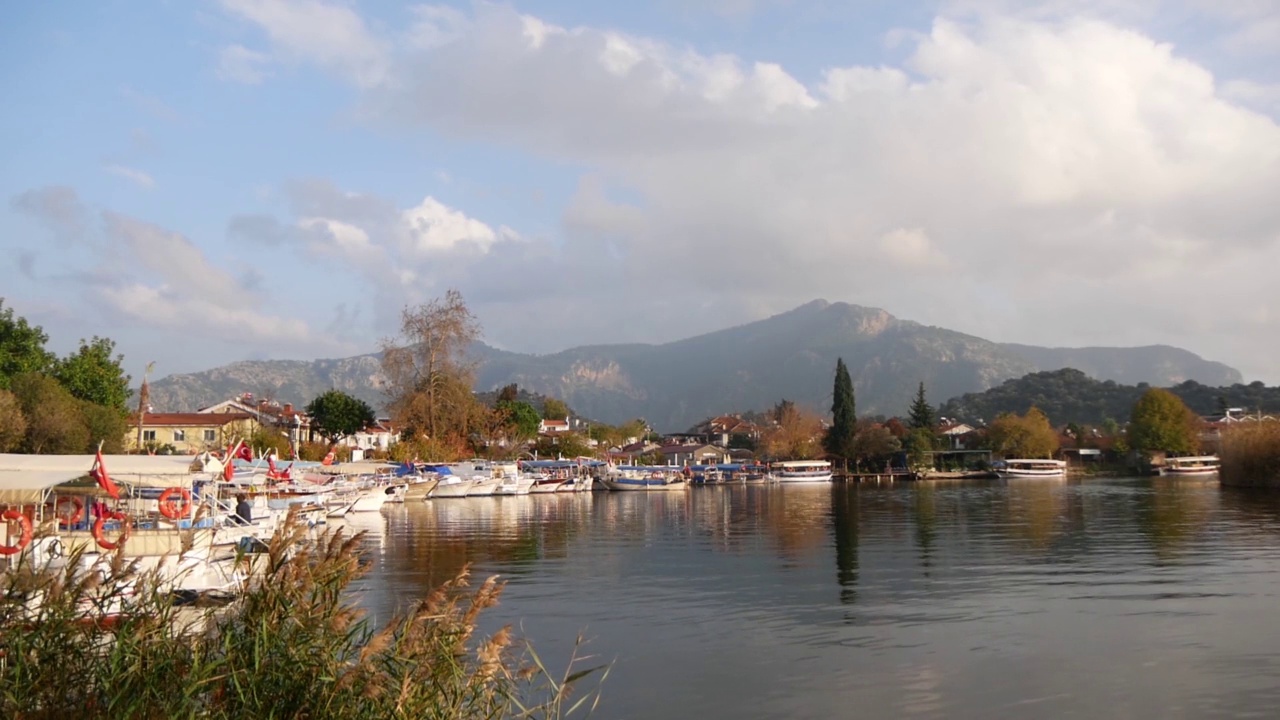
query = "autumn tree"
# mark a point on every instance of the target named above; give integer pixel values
(874, 445)
(21, 347)
(1023, 436)
(794, 434)
(336, 415)
(13, 426)
(1162, 422)
(842, 435)
(93, 375)
(429, 378)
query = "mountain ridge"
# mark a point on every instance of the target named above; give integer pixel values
(744, 367)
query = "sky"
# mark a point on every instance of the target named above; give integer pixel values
(222, 180)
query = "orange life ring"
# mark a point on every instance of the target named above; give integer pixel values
(126, 524)
(25, 522)
(72, 518)
(171, 509)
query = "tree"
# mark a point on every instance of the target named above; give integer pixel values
(919, 442)
(13, 426)
(509, 393)
(921, 414)
(335, 414)
(1161, 421)
(54, 422)
(92, 375)
(1025, 436)
(875, 445)
(794, 434)
(21, 347)
(106, 425)
(842, 435)
(521, 417)
(553, 409)
(429, 378)
(567, 445)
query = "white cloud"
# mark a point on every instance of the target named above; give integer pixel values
(330, 35)
(433, 226)
(237, 63)
(134, 175)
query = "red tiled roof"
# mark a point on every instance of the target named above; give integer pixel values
(191, 419)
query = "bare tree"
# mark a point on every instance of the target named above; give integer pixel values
(429, 377)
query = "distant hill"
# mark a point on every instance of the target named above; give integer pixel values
(1153, 364)
(675, 385)
(1070, 396)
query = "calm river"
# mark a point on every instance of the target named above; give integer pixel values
(1117, 598)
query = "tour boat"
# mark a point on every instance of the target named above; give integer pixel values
(1032, 468)
(643, 478)
(1190, 466)
(800, 471)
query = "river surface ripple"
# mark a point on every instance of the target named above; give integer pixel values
(1115, 598)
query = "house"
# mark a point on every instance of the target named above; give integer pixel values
(379, 435)
(720, 430)
(188, 433)
(269, 413)
(694, 454)
(553, 427)
(958, 435)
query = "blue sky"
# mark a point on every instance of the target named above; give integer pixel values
(213, 181)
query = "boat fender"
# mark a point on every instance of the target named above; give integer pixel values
(126, 524)
(74, 517)
(25, 539)
(169, 506)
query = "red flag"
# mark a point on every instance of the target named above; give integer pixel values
(246, 452)
(272, 473)
(229, 463)
(99, 472)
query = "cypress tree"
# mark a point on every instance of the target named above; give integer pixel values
(840, 436)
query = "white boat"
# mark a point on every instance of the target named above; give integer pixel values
(452, 486)
(1190, 466)
(1032, 468)
(483, 486)
(800, 471)
(546, 484)
(373, 499)
(515, 484)
(643, 478)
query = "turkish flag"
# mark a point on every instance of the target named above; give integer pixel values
(99, 472)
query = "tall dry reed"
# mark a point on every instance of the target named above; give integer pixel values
(1250, 454)
(293, 645)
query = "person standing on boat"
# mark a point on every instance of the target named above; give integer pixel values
(244, 509)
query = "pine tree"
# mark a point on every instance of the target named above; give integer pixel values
(840, 439)
(921, 415)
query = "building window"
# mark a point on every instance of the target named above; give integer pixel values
(179, 435)
(148, 435)
(210, 435)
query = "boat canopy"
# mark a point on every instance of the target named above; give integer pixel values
(27, 479)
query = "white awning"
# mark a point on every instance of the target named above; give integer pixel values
(26, 478)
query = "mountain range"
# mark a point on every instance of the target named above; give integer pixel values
(748, 367)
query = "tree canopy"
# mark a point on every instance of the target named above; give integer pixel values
(521, 417)
(21, 347)
(555, 409)
(93, 375)
(841, 437)
(54, 421)
(1160, 421)
(13, 426)
(1023, 436)
(336, 415)
(795, 432)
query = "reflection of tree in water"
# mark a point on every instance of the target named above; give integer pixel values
(1035, 508)
(924, 504)
(797, 519)
(1175, 511)
(844, 513)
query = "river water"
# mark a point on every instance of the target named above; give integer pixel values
(1108, 598)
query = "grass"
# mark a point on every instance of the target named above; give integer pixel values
(293, 645)
(1250, 455)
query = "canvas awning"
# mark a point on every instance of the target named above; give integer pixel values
(27, 478)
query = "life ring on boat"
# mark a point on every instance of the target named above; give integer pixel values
(25, 522)
(169, 506)
(126, 524)
(68, 519)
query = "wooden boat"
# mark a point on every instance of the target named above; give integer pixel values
(800, 471)
(1198, 465)
(1032, 468)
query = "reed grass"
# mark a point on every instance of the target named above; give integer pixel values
(293, 645)
(1250, 455)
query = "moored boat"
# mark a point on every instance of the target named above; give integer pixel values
(1198, 465)
(1032, 468)
(800, 471)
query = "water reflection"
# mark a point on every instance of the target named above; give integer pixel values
(1102, 598)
